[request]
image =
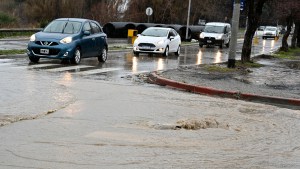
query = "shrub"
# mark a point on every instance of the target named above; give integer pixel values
(5, 19)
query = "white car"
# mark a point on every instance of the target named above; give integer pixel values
(270, 32)
(157, 40)
(260, 31)
(215, 34)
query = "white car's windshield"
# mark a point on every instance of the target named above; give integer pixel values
(214, 29)
(67, 27)
(270, 29)
(155, 32)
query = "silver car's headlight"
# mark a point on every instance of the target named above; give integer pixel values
(32, 38)
(66, 40)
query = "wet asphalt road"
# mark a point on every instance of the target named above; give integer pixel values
(21, 80)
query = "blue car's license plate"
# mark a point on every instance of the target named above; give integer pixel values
(44, 51)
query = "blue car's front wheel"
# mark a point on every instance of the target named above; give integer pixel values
(34, 59)
(103, 56)
(77, 56)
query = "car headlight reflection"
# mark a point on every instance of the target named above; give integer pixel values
(32, 38)
(66, 40)
(160, 42)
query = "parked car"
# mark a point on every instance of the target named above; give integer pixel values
(157, 40)
(215, 34)
(69, 39)
(260, 31)
(270, 32)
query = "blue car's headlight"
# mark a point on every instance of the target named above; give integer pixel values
(32, 38)
(66, 40)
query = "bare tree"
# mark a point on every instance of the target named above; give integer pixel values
(288, 11)
(255, 8)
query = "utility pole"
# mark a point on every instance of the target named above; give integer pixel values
(188, 21)
(234, 33)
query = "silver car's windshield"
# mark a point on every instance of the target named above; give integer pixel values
(214, 29)
(155, 32)
(66, 27)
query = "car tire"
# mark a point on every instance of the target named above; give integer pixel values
(177, 53)
(136, 53)
(77, 56)
(227, 45)
(103, 55)
(221, 45)
(200, 45)
(166, 53)
(34, 59)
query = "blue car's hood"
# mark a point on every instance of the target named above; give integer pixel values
(45, 36)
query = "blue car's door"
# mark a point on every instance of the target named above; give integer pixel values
(99, 37)
(87, 42)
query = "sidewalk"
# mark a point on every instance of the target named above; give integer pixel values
(277, 82)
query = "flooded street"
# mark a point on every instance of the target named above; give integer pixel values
(46, 83)
(96, 115)
(124, 126)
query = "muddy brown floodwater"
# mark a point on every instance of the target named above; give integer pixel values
(111, 125)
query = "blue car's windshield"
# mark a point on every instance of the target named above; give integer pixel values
(155, 32)
(67, 27)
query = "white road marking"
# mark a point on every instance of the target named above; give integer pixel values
(95, 71)
(41, 65)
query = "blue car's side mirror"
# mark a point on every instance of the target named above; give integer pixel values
(86, 33)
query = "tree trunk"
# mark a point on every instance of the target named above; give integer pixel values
(254, 17)
(285, 45)
(247, 45)
(298, 36)
(294, 38)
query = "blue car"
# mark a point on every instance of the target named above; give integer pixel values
(69, 39)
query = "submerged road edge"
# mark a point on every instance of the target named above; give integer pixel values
(156, 79)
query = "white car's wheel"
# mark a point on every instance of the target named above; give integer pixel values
(177, 53)
(166, 53)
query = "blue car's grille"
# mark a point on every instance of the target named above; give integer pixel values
(51, 51)
(46, 43)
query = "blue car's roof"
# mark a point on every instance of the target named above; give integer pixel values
(72, 19)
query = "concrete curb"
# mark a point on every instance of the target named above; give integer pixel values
(156, 79)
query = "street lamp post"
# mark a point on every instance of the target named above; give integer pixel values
(188, 21)
(234, 32)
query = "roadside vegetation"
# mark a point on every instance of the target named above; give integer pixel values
(15, 34)
(292, 53)
(12, 52)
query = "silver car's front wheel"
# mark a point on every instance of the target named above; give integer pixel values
(77, 56)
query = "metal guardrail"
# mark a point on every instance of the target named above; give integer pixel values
(20, 30)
